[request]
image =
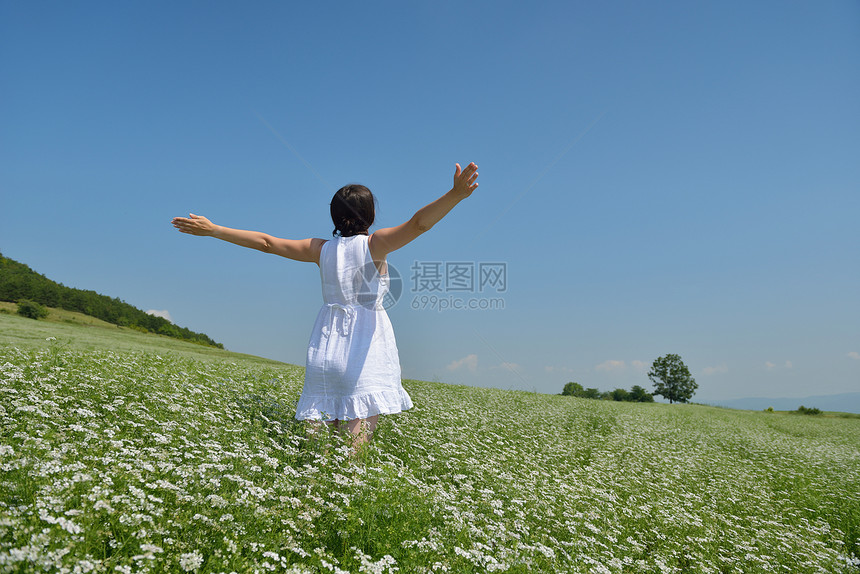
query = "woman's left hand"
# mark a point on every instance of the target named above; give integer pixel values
(465, 179)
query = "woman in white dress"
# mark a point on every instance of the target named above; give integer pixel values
(352, 373)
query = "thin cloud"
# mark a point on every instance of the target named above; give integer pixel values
(640, 365)
(610, 366)
(771, 366)
(164, 314)
(562, 370)
(715, 370)
(854, 355)
(469, 362)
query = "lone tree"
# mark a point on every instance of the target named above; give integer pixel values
(672, 379)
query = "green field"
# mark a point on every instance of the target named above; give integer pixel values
(127, 452)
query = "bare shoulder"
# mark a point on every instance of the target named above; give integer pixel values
(384, 241)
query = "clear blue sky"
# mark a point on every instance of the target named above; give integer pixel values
(660, 177)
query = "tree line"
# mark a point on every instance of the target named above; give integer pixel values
(636, 394)
(671, 377)
(20, 283)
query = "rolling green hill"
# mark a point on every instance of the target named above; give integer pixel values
(125, 452)
(18, 281)
(82, 332)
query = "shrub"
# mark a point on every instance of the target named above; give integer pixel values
(808, 411)
(31, 309)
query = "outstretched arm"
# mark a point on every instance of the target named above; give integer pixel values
(297, 249)
(384, 241)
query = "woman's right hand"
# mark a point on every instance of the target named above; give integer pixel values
(194, 225)
(464, 180)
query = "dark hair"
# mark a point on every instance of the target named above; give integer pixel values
(352, 210)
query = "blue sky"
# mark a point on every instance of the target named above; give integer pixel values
(662, 177)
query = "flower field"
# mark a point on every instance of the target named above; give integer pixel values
(146, 460)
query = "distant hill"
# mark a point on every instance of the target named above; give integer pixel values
(18, 281)
(844, 402)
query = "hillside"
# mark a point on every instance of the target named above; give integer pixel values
(126, 452)
(18, 281)
(79, 332)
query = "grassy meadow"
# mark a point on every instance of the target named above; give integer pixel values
(132, 453)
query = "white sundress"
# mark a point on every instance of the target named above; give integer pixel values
(353, 367)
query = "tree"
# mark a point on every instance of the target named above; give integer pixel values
(640, 395)
(572, 389)
(672, 379)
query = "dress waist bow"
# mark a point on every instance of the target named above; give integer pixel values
(346, 314)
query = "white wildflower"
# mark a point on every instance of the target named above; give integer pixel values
(190, 561)
(216, 501)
